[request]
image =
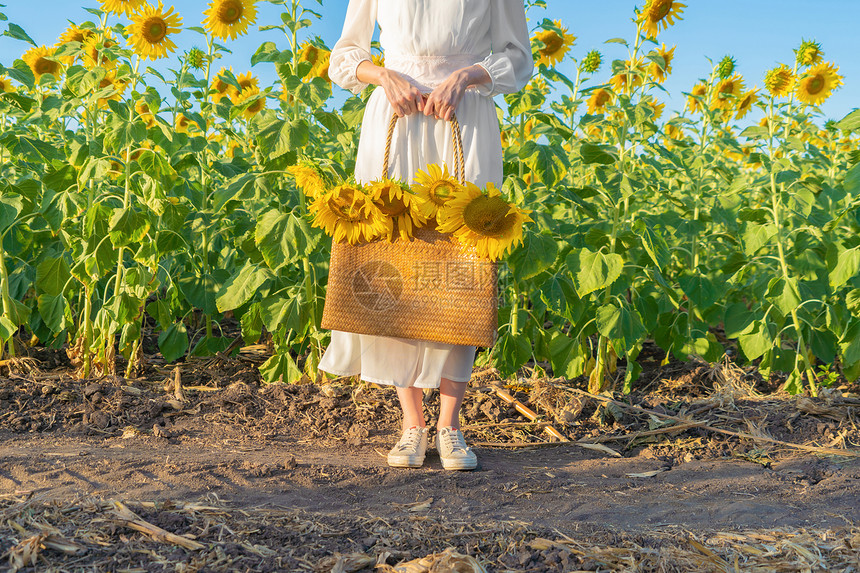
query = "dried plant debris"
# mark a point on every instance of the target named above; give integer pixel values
(91, 535)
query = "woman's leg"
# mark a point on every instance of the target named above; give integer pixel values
(412, 404)
(450, 399)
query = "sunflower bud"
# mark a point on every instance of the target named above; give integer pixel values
(591, 62)
(195, 58)
(726, 67)
(809, 53)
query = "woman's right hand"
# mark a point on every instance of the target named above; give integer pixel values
(404, 97)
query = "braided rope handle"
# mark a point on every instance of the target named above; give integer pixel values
(456, 140)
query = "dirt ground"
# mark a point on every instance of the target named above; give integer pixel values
(705, 470)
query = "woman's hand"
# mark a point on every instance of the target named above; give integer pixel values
(403, 96)
(445, 98)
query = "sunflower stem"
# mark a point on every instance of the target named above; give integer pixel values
(7, 299)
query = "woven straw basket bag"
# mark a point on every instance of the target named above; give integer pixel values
(430, 288)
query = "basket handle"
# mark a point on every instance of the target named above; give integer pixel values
(456, 140)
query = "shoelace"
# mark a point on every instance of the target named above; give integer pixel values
(410, 440)
(454, 440)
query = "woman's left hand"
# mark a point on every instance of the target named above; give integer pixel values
(444, 99)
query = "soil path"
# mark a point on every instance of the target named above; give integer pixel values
(563, 487)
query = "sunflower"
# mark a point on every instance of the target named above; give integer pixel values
(727, 93)
(308, 179)
(696, 97)
(378, 60)
(434, 188)
(346, 213)
(818, 83)
(538, 85)
(144, 113)
(555, 43)
(73, 33)
(151, 29)
(184, 124)
(659, 72)
(121, 7)
(485, 221)
(245, 81)
(400, 207)
(117, 88)
(598, 99)
(256, 99)
(779, 81)
(659, 14)
(631, 77)
(221, 88)
(94, 54)
(37, 59)
(673, 131)
(655, 106)
(6, 86)
(809, 53)
(319, 59)
(746, 102)
(230, 18)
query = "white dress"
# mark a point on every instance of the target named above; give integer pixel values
(427, 40)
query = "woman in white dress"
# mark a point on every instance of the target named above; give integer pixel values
(461, 53)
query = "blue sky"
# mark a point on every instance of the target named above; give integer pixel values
(758, 33)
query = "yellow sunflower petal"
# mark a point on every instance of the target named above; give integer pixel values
(37, 59)
(816, 85)
(230, 18)
(553, 44)
(659, 14)
(150, 31)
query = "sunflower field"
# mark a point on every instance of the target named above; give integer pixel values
(135, 205)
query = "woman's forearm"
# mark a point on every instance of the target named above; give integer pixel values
(474, 75)
(369, 73)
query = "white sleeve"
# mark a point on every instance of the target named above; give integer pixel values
(510, 64)
(353, 47)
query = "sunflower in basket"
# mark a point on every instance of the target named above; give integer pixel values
(399, 205)
(434, 188)
(347, 213)
(484, 220)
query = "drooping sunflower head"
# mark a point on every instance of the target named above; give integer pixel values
(629, 77)
(6, 86)
(184, 124)
(659, 14)
(747, 101)
(726, 67)
(40, 64)
(112, 87)
(317, 57)
(96, 52)
(220, 87)
(434, 188)
(347, 213)
(151, 29)
(308, 179)
(818, 83)
(660, 72)
(73, 33)
(122, 7)
(696, 98)
(591, 62)
(598, 100)
(655, 106)
(779, 81)
(399, 206)
(485, 221)
(809, 53)
(727, 93)
(552, 43)
(255, 101)
(230, 18)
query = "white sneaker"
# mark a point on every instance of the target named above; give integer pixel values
(453, 451)
(409, 451)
